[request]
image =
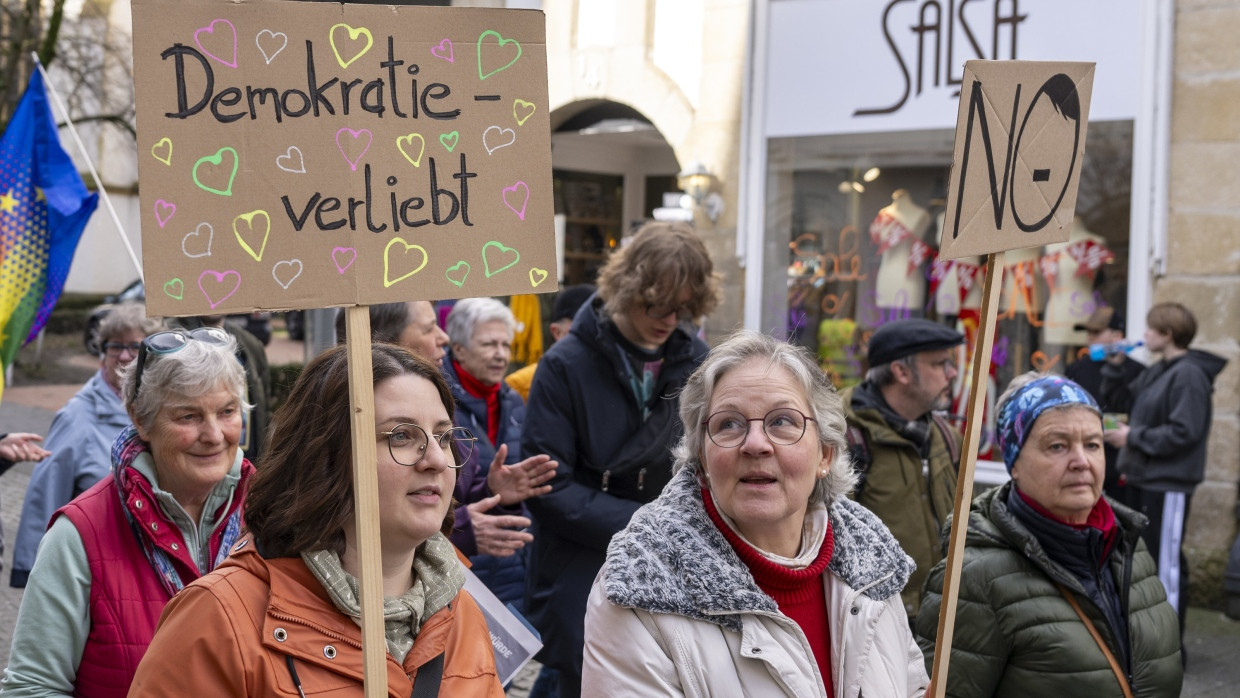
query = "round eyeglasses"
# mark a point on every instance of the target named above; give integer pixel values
(407, 443)
(783, 426)
(170, 342)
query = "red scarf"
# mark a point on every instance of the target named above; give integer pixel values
(1101, 517)
(490, 393)
(800, 594)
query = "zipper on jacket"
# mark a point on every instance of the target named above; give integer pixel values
(641, 479)
(925, 474)
(606, 480)
(318, 628)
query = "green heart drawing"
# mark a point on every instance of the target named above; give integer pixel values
(217, 159)
(448, 140)
(500, 250)
(457, 267)
(175, 288)
(500, 43)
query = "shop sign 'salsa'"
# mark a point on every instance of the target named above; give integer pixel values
(301, 155)
(1020, 141)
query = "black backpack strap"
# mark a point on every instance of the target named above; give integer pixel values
(859, 453)
(426, 684)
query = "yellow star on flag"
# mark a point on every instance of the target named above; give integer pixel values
(8, 202)
(38, 195)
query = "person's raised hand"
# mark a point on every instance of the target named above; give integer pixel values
(20, 446)
(518, 482)
(500, 535)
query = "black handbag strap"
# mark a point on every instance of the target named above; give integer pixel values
(426, 684)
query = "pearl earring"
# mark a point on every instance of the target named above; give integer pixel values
(822, 473)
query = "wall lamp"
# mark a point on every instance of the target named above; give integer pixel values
(696, 182)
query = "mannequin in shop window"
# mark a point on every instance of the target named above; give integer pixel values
(956, 284)
(1069, 269)
(898, 231)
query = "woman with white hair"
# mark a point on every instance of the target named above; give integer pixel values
(480, 334)
(167, 514)
(752, 574)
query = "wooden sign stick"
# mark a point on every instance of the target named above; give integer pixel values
(366, 499)
(979, 372)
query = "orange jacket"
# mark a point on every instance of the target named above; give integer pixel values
(230, 634)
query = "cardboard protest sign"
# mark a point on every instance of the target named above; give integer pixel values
(296, 155)
(1020, 140)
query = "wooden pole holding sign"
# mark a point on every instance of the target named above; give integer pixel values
(1020, 140)
(366, 499)
(979, 374)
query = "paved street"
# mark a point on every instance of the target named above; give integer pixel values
(1213, 641)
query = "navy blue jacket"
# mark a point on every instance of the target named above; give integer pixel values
(582, 412)
(504, 576)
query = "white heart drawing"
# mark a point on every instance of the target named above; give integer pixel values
(287, 157)
(197, 233)
(512, 138)
(275, 38)
(291, 264)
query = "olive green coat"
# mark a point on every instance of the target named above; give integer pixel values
(1016, 635)
(897, 489)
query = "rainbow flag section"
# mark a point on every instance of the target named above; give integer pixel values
(44, 206)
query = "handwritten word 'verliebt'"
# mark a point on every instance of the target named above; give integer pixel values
(402, 212)
(371, 96)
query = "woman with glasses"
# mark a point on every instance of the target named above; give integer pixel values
(281, 616)
(81, 434)
(167, 513)
(603, 406)
(752, 574)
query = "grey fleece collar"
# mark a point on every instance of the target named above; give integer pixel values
(672, 559)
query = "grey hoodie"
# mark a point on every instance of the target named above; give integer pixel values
(1170, 423)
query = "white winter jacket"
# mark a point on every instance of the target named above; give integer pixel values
(674, 612)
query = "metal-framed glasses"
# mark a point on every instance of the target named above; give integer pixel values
(118, 348)
(658, 312)
(170, 342)
(408, 442)
(783, 426)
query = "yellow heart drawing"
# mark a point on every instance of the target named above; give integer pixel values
(249, 221)
(353, 34)
(387, 259)
(167, 157)
(537, 276)
(520, 107)
(409, 139)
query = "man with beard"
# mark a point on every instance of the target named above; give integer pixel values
(906, 454)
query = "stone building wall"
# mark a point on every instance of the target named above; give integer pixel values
(1203, 255)
(710, 132)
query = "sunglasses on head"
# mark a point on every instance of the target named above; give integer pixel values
(170, 342)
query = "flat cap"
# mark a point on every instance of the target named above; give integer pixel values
(1104, 317)
(896, 340)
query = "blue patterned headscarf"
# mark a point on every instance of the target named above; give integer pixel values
(1022, 409)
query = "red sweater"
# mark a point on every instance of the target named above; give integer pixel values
(800, 594)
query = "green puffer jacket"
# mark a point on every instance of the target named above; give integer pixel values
(897, 491)
(1016, 635)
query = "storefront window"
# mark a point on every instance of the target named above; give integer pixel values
(860, 216)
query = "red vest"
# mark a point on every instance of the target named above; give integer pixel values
(126, 594)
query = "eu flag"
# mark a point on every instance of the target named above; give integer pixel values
(44, 206)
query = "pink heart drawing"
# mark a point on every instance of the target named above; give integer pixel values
(210, 29)
(443, 50)
(516, 189)
(219, 285)
(354, 142)
(164, 211)
(341, 254)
